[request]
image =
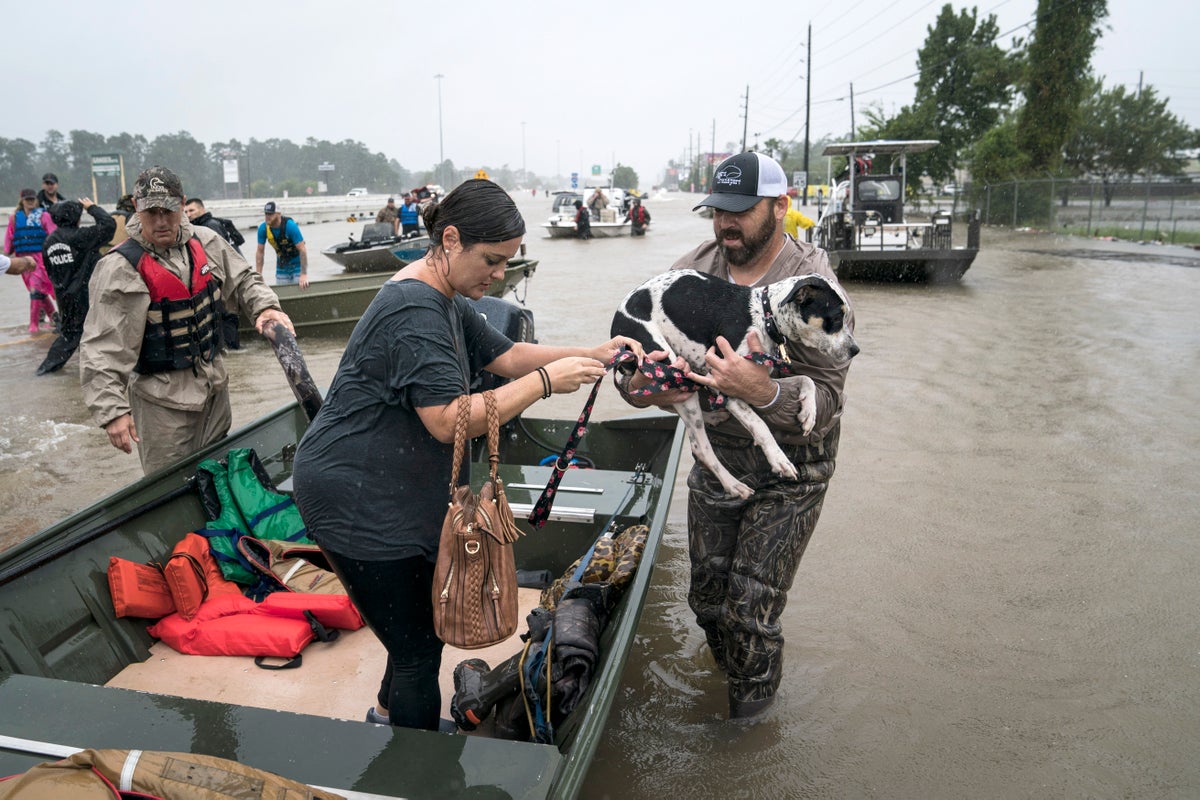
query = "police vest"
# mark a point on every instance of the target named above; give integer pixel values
(28, 233)
(182, 325)
(285, 248)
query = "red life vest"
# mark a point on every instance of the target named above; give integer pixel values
(182, 325)
(234, 625)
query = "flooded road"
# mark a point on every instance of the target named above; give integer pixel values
(1001, 597)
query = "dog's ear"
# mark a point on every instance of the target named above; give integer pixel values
(806, 287)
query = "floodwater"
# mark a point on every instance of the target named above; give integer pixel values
(1001, 597)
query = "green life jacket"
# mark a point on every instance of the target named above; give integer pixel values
(240, 500)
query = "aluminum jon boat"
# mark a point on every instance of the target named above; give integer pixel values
(74, 675)
(333, 307)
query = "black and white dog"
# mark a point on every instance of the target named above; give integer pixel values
(682, 312)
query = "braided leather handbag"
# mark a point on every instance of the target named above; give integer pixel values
(475, 579)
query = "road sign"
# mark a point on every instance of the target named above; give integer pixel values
(595, 169)
(107, 164)
(574, 180)
(326, 167)
(800, 179)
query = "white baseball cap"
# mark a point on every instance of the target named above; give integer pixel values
(742, 180)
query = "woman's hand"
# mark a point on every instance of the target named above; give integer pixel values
(606, 351)
(568, 374)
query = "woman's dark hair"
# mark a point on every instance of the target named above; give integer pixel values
(480, 210)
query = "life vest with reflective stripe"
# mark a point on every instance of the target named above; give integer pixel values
(181, 324)
(28, 233)
(285, 248)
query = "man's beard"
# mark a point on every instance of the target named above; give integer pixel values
(754, 243)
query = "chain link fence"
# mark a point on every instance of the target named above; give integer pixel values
(1162, 210)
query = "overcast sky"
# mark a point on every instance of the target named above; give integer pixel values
(551, 87)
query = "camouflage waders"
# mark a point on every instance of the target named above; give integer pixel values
(744, 557)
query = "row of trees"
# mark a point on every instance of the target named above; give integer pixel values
(265, 168)
(1033, 111)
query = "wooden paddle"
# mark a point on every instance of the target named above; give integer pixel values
(292, 361)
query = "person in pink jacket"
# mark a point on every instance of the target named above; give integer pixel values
(28, 227)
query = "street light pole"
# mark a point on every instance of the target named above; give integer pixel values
(441, 155)
(524, 176)
(807, 108)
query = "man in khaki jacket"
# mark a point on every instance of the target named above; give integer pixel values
(150, 363)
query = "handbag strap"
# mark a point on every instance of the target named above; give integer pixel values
(493, 432)
(463, 421)
(460, 439)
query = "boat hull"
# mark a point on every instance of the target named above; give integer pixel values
(387, 255)
(333, 307)
(917, 265)
(600, 230)
(59, 641)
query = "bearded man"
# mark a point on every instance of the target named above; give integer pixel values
(745, 553)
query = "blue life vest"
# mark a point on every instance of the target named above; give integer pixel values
(28, 233)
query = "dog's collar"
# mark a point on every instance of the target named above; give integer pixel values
(772, 327)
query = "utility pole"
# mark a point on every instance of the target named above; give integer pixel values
(441, 154)
(746, 118)
(852, 112)
(691, 164)
(807, 106)
(711, 167)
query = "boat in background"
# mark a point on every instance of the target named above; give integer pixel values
(62, 647)
(333, 307)
(380, 249)
(612, 222)
(865, 231)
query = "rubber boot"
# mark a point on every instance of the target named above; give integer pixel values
(741, 709)
(477, 689)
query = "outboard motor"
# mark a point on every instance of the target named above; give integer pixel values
(514, 321)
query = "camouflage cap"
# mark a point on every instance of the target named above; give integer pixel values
(158, 187)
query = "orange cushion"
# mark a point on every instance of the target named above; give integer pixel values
(192, 575)
(138, 590)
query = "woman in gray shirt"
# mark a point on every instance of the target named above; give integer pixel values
(371, 473)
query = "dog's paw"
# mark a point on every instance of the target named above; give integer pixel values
(808, 405)
(781, 466)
